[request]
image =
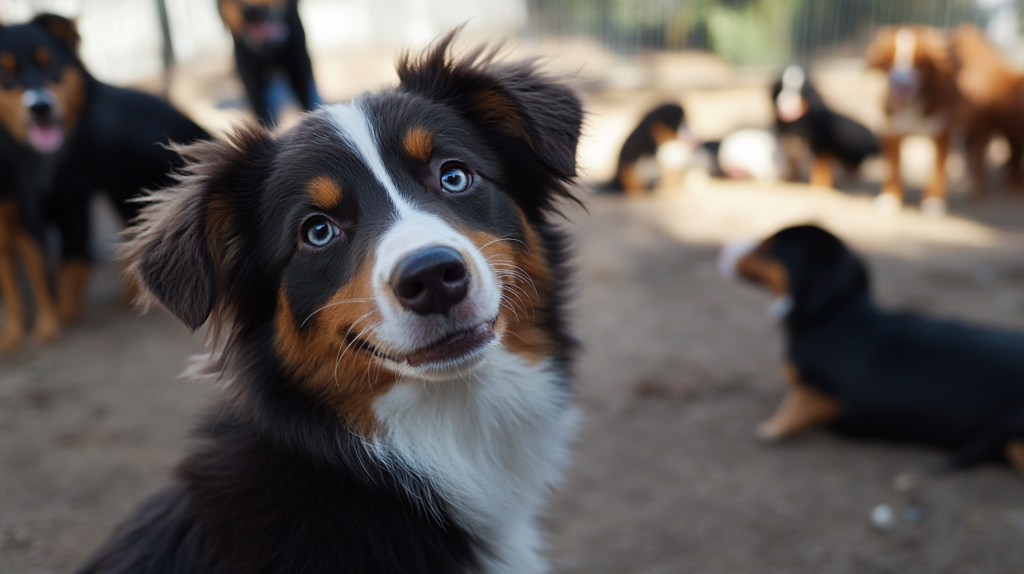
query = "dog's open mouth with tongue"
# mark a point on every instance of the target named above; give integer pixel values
(45, 136)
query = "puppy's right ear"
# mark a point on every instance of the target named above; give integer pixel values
(882, 50)
(182, 243)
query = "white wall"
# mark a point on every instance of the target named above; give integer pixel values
(121, 38)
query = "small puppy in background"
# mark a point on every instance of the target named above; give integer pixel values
(660, 143)
(386, 306)
(270, 50)
(922, 99)
(874, 373)
(991, 103)
(804, 122)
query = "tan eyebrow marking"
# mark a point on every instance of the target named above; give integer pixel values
(8, 61)
(419, 143)
(42, 56)
(325, 192)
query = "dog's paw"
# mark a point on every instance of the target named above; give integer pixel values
(888, 203)
(10, 340)
(933, 207)
(766, 433)
(46, 330)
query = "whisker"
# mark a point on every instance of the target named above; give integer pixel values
(352, 342)
(332, 305)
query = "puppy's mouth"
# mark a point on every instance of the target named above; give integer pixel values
(270, 31)
(453, 348)
(45, 136)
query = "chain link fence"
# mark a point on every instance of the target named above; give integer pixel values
(760, 32)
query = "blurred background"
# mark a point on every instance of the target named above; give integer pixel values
(679, 366)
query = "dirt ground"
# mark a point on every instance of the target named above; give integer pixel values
(679, 366)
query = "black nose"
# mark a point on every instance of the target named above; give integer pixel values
(431, 280)
(40, 108)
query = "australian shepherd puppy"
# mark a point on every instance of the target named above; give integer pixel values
(384, 290)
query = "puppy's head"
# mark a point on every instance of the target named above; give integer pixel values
(42, 83)
(913, 57)
(665, 123)
(260, 23)
(793, 95)
(399, 235)
(807, 270)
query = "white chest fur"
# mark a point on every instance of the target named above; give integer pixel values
(910, 120)
(491, 444)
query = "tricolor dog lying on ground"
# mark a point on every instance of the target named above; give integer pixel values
(874, 373)
(384, 288)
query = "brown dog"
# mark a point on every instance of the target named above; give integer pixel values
(922, 100)
(991, 102)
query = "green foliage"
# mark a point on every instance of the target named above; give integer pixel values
(759, 32)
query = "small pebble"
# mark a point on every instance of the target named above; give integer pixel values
(905, 483)
(883, 517)
(914, 513)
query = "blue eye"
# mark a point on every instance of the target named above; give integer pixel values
(320, 232)
(454, 180)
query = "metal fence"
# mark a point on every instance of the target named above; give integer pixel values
(123, 40)
(767, 32)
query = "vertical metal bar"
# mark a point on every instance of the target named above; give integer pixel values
(168, 45)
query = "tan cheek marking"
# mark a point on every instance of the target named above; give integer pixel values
(661, 133)
(770, 272)
(324, 192)
(231, 14)
(70, 94)
(12, 114)
(526, 283)
(419, 143)
(347, 378)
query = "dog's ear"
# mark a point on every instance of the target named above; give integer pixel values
(60, 28)
(531, 120)
(822, 271)
(880, 53)
(184, 242)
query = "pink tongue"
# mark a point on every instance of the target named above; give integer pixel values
(264, 32)
(45, 138)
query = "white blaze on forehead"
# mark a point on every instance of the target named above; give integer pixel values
(793, 79)
(731, 254)
(354, 127)
(789, 103)
(906, 47)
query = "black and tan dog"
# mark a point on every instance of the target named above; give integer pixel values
(63, 137)
(637, 170)
(270, 45)
(385, 286)
(801, 114)
(874, 373)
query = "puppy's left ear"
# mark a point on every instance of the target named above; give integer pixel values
(879, 54)
(531, 120)
(60, 28)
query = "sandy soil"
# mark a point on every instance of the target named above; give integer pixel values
(679, 367)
